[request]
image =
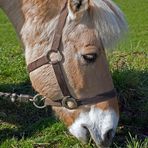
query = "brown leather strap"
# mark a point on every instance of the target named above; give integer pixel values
(59, 28)
(55, 48)
(37, 63)
(99, 98)
(61, 79)
(86, 101)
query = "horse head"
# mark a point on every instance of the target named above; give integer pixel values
(91, 26)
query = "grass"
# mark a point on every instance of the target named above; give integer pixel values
(22, 125)
(134, 142)
(136, 15)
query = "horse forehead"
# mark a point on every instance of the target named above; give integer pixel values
(82, 36)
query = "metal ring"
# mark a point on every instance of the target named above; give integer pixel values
(58, 57)
(35, 100)
(69, 103)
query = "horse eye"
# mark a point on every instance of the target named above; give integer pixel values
(90, 58)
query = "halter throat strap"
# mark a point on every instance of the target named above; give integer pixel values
(67, 101)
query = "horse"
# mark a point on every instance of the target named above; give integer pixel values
(89, 29)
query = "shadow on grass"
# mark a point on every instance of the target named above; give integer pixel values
(132, 87)
(23, 88)
(21, 120)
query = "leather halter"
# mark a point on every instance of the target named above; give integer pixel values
(67, 101)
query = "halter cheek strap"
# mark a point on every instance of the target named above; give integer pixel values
(67, 101)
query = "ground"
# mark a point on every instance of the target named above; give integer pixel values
(22, 125)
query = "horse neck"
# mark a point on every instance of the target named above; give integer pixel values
(32, 19)
(12, 8)
(18, 11)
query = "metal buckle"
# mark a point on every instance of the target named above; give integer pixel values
(37, 99)
(69, 103)
(56, 55)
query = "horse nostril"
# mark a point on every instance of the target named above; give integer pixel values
(109, 135)
(107, 138)
(87, 131)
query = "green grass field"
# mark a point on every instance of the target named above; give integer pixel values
(22, 125)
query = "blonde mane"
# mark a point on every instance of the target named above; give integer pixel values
(109, 22)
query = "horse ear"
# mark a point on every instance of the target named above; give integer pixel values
(77, 8)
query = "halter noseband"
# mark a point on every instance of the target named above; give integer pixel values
(67, 101)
